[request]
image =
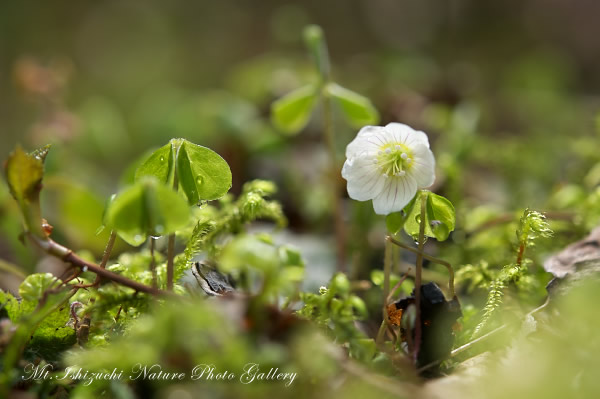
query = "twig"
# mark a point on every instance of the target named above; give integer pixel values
(104, 261)
(53, 248)
(398, 284)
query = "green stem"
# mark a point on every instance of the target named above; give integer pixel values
(12, 269)
(418, 272)
(328, 130)
(153, 264)
(108, 249)
(171, 243)
(387, 269)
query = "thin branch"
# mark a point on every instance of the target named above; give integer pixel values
(53, 248)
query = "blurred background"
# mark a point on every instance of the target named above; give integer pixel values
(508, 92)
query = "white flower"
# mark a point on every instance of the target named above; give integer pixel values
(388, 165)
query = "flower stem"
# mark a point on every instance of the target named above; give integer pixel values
(418, 272)
(328, 130)
(387, 269)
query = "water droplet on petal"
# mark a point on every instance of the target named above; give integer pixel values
(199, 180)
(162, 159)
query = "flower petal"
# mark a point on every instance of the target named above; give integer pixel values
(407, 135)
(365, 180)
(396, 194)
(362, 143)
(423, 166)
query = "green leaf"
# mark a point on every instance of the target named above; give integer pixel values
(439, 216)
(394, 222)
(532, 225)
(203, 174)
(358, 110)
(24, 174)
(147, 208)
(291, 113)
(33, 287)
(159, 164)
(249, 251)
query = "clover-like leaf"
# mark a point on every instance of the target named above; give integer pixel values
(203, 174)
(439, 216)
(147, 208)
(159, 164)
(358, 110)
(249, 252)
(24, 173)
(291, 113)
(33, 287)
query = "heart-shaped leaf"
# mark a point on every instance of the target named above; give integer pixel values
(358, 110)
(439, 216)
(203, 174)
(147, 208)
(291, 113)
(159, 164)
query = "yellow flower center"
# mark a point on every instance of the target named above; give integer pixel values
(394, 159)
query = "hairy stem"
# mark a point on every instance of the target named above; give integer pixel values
(520, 254)
(108, 249)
